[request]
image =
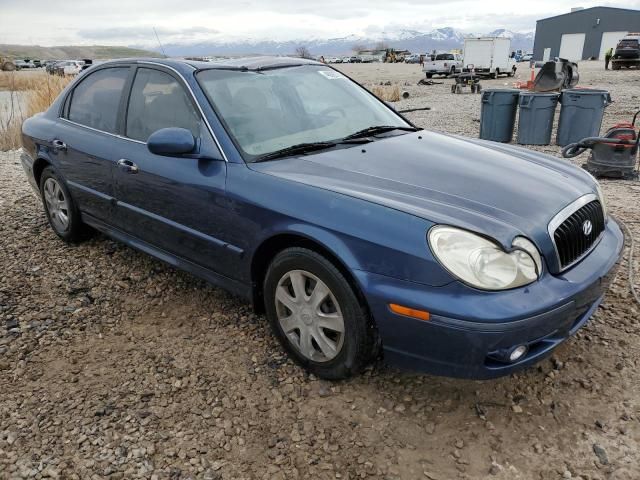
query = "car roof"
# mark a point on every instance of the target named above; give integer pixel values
(245, 63)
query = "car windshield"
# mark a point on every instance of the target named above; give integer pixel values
(269, 110)
(444, 56)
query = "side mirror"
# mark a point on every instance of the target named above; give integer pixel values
(171, 141)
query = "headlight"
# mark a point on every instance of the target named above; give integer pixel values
(600, 195)
(601, 198)
(482, 263)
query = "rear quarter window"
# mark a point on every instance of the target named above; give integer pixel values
(96, 99)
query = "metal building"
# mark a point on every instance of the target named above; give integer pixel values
(583, 33)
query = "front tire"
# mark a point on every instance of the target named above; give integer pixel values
(60, 209)
(317, 316)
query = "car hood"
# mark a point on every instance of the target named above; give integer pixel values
(495, 189)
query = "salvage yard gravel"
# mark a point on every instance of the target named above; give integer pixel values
(115, 366)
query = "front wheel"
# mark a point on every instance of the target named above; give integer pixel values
(317, 316)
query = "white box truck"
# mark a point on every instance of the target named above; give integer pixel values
(490, 56)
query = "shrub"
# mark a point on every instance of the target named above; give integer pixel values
(28, 93)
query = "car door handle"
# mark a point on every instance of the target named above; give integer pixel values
(59, 145)
(127, 166)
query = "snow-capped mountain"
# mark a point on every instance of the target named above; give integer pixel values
(439, 39)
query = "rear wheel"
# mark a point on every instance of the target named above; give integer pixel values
(60, 208)
(458, 88)
(316, 315)
(429, 75)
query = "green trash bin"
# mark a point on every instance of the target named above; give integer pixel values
(535, 121)
(498, 114)
(581, 114)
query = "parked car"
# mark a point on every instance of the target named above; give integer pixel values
(355, 59)
(413, 58)
(443, 64)
(350, 227)
(21, 64)
(346, 59)
(527, 57)
(628, 47)
(68, 67)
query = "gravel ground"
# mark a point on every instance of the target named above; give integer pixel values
(113, 365)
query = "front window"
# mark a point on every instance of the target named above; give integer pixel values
(269, 110)
(158, 101)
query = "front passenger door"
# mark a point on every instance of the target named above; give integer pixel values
(176, 203)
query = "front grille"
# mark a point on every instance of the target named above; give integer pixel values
(570, 239)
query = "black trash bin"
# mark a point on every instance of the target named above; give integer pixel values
(581, 114)
(498, 114)
(535, 121)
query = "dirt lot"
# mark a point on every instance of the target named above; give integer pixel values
(113, 365)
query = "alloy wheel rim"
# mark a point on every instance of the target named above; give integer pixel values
(309, 315)
(57, 204)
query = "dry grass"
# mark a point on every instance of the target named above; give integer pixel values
(27, 95)
(387, 93)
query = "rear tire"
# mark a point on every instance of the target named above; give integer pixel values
(317, 316)
(429, 75)
(60, 209)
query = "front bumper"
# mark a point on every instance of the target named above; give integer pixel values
(468, 326)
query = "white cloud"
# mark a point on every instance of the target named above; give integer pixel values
(126, 22)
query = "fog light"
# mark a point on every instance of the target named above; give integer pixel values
(517, 353)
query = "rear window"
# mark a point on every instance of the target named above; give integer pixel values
(630, 42)
(444, 56)
(96, 99)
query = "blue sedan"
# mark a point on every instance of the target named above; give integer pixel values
(287, 183)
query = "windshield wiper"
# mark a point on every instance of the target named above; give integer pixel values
(299, 148)
(365, 132)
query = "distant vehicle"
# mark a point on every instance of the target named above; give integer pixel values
(37, 64)
(355, 59)
(527, 57)
(443, 64)
(68, 67)
(50, 65)
(627, 53)
(20, 64)
(628, 47)
(346, 59)
(413, 58)
(490, 56)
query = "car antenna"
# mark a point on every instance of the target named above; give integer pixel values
(159, 43)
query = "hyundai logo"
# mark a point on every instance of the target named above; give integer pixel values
(587, 227)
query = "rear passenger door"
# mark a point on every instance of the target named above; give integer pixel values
(176, 203)
(84, 139)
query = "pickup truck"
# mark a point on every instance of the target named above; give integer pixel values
(443, 64)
